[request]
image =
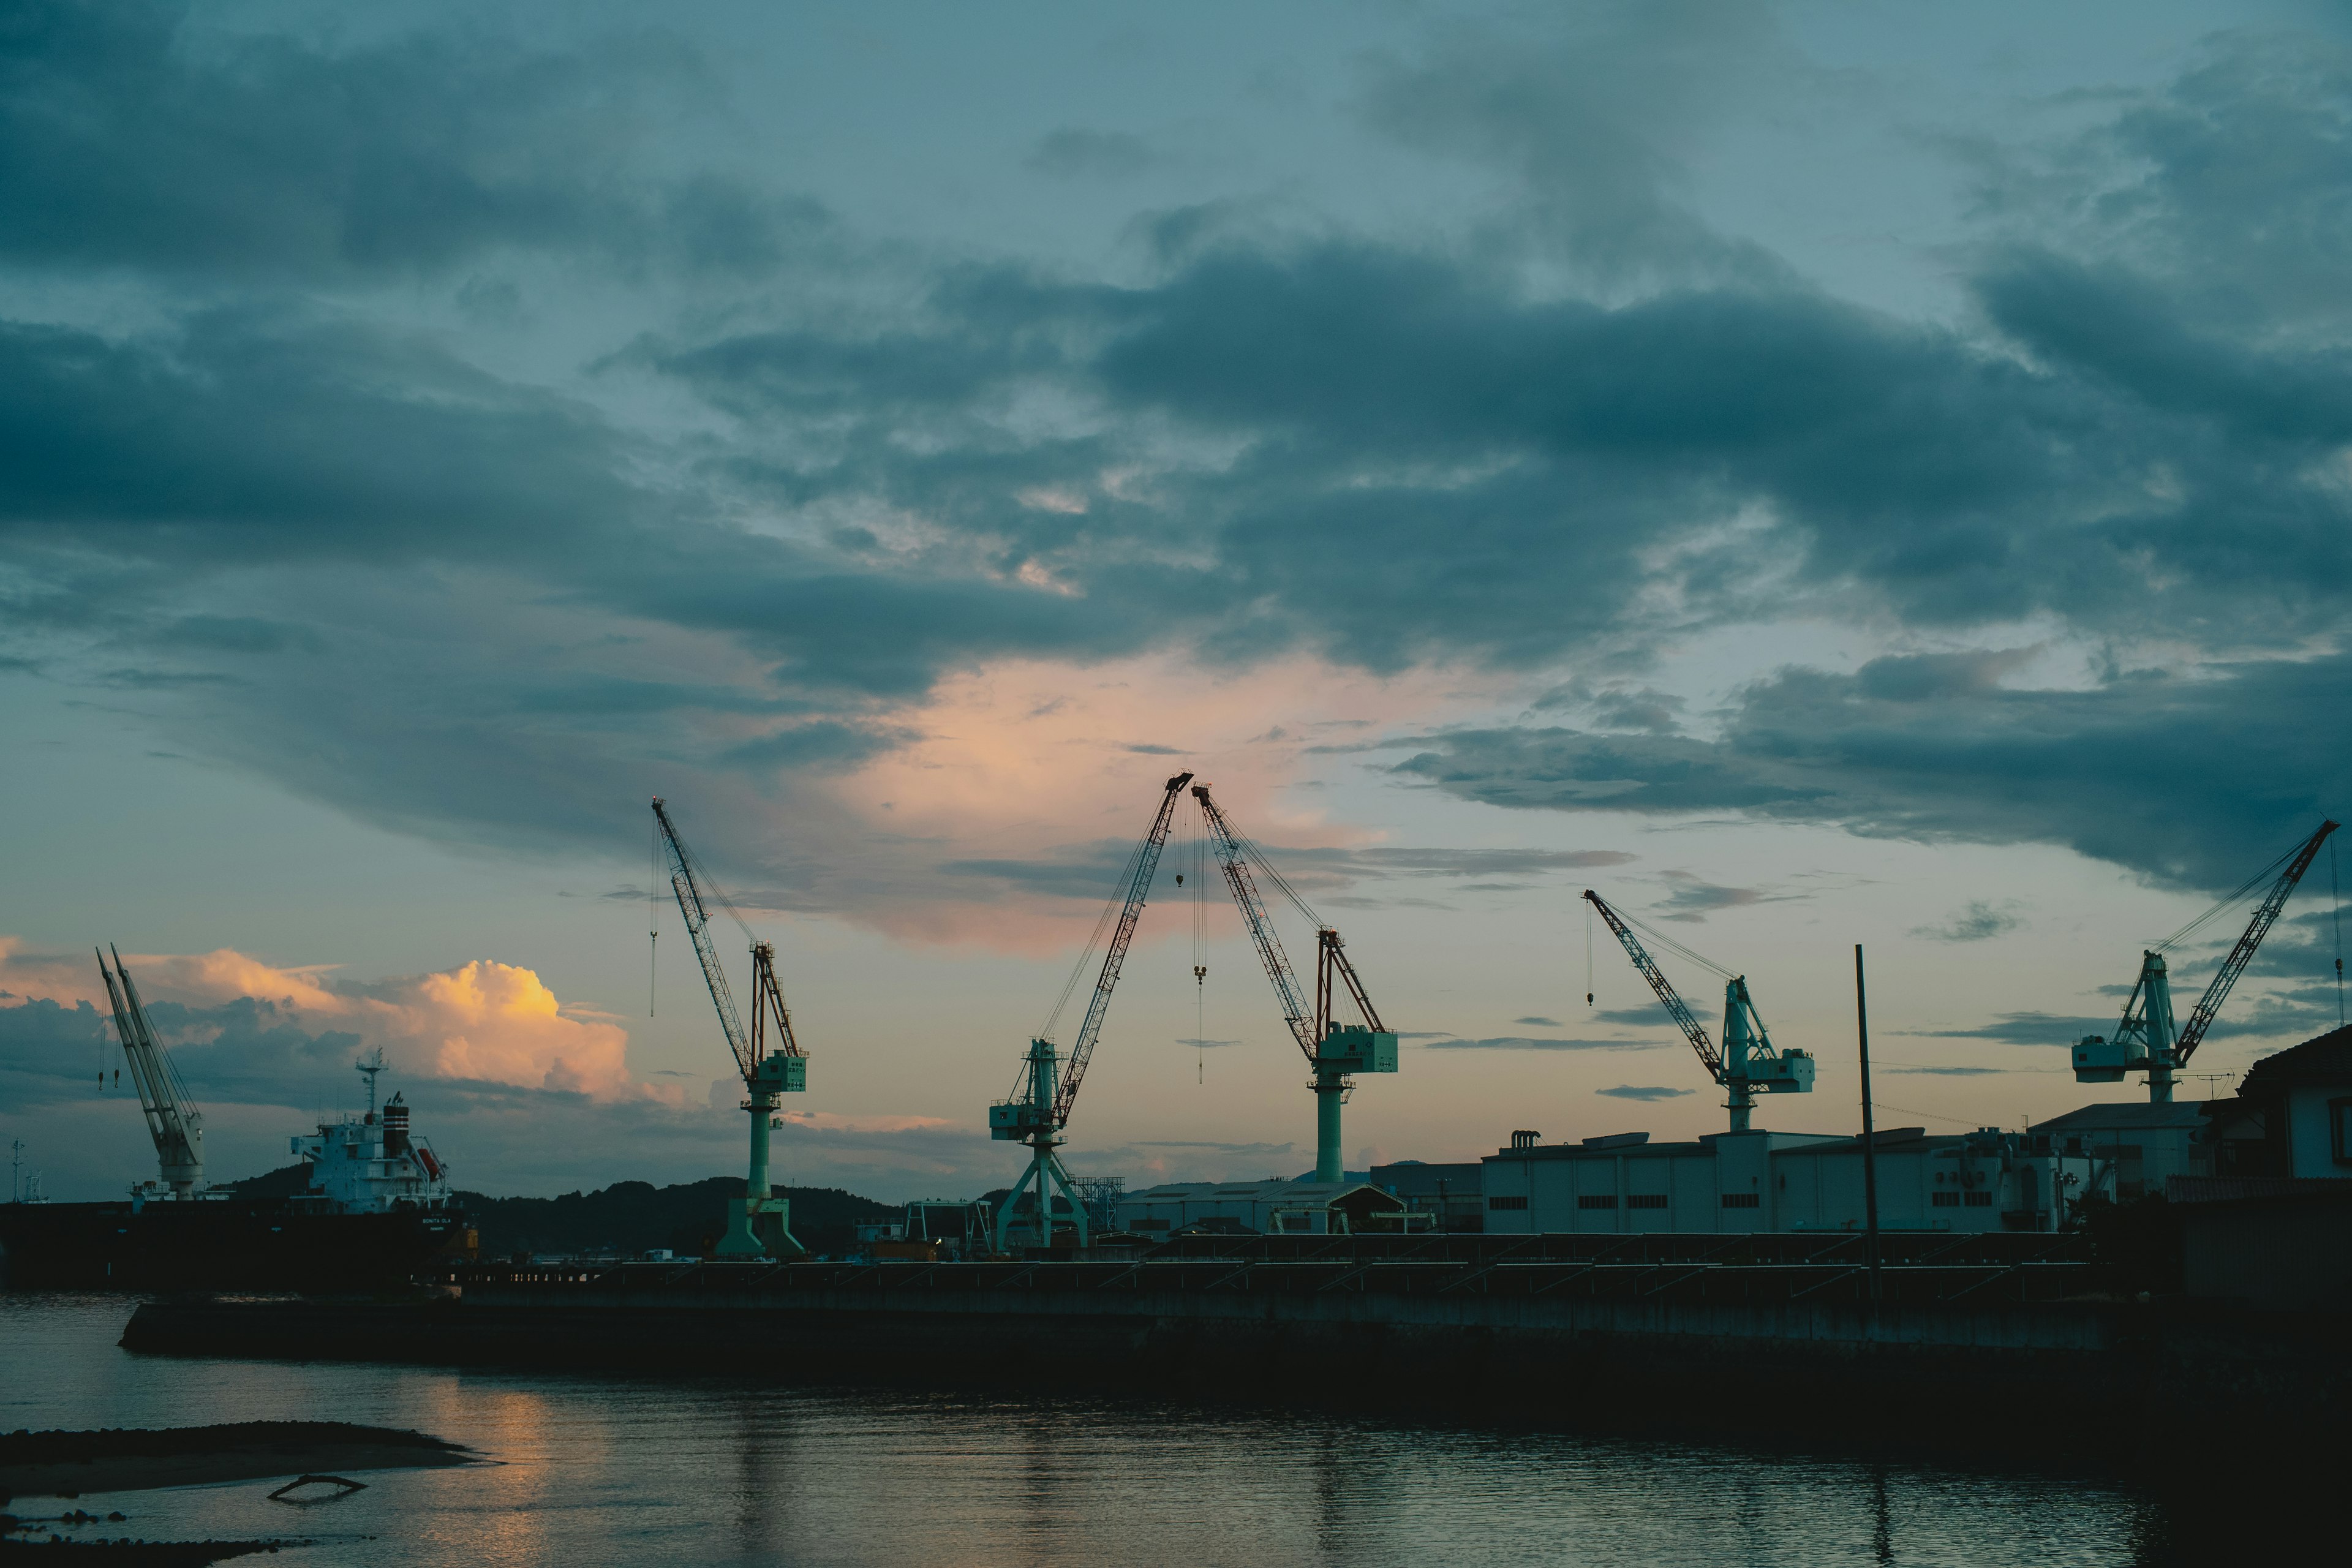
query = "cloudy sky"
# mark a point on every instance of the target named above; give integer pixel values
(1819, 473)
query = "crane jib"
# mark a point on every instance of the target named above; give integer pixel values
(1692, 1030)
(697, 928)
(2265, 916)
(1147, 862)
(1233, 861)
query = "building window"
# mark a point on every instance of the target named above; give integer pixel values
(1506, 1203)
(2339, 1130)
(1597, 1201)
(1742, 1201)
(1647, 1201)
(1979, 1199)
(1945, 1200)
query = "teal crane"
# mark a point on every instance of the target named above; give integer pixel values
(758, 1223)
(173, 1121)
(2145, 1040)
(1335, 1052)
(1039, 1107)
(1748, 1063)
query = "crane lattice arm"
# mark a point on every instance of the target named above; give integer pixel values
(1145, 862)
(1234, 860)
(763, 977)
(1692, 1030)
(176, 1126)
(698, 926)
(2242, 954)
(1335, 962)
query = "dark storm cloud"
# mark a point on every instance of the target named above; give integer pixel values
(131, 138)
(1382, 451)
(1595, 123)
(1538, 1043)
(1692, 900)
(1977, 920)
(237, 440)
(2027, 1029)
(246, 1051)
(2233, 768)
(1946, 1072)
(2233, 181)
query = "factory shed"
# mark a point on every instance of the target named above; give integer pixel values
(1757, 1181)
(1270, 1207)
(1451, 1194)
(2135, 1148)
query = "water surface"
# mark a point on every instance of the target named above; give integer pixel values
(592, 1470)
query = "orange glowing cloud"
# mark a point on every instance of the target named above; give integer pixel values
(484, 1020)
(1025, 757)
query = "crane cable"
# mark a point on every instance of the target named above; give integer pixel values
(1671, 946)
(653, 912)
(1111, 907)
(2267, 874)
(1200, 942)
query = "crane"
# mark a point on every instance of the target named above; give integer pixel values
(1748, 1062)
(175, 1125)
(758, 1225)
(1333, 1051)
(1039, 1107)
(2143, 1040)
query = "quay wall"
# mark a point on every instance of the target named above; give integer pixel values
(2028, 1378)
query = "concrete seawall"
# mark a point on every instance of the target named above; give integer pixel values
(2031, 1378)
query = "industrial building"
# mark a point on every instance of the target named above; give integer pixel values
(2136, 1147)
(1451, 1194)
(1756, 1180)
(1264, 1208)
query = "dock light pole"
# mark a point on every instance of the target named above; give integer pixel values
(1869, 1131)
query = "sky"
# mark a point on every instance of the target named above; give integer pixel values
(1819, 473)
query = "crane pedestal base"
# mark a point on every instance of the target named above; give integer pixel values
(759, 1227)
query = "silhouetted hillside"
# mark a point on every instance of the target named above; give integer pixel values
(635, 1217)
(627, 1217)
(282, 1182)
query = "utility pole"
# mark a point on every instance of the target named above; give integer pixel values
(1869, 1131)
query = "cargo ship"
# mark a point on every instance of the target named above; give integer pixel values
(373, 1206)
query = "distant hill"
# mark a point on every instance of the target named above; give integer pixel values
(628, 1216)
(282, 1182)
(636, 1216)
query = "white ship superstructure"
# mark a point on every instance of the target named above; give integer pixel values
(373, 1163)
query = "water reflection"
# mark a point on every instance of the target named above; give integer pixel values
(595, 1470)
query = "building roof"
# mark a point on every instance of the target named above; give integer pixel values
(2326, 1059)
(1252, 1192)
(2136, 1116)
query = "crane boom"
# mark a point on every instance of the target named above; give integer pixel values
(1334, 957)
(698, 927)
(1692, 1030)
(1141, 868)
(1335, 1053)
(2265, 916)
(176, 1126)
(1233, 861)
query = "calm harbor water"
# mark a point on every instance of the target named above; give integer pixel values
(592, 1470)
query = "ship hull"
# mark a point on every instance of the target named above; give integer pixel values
(216, 1245)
